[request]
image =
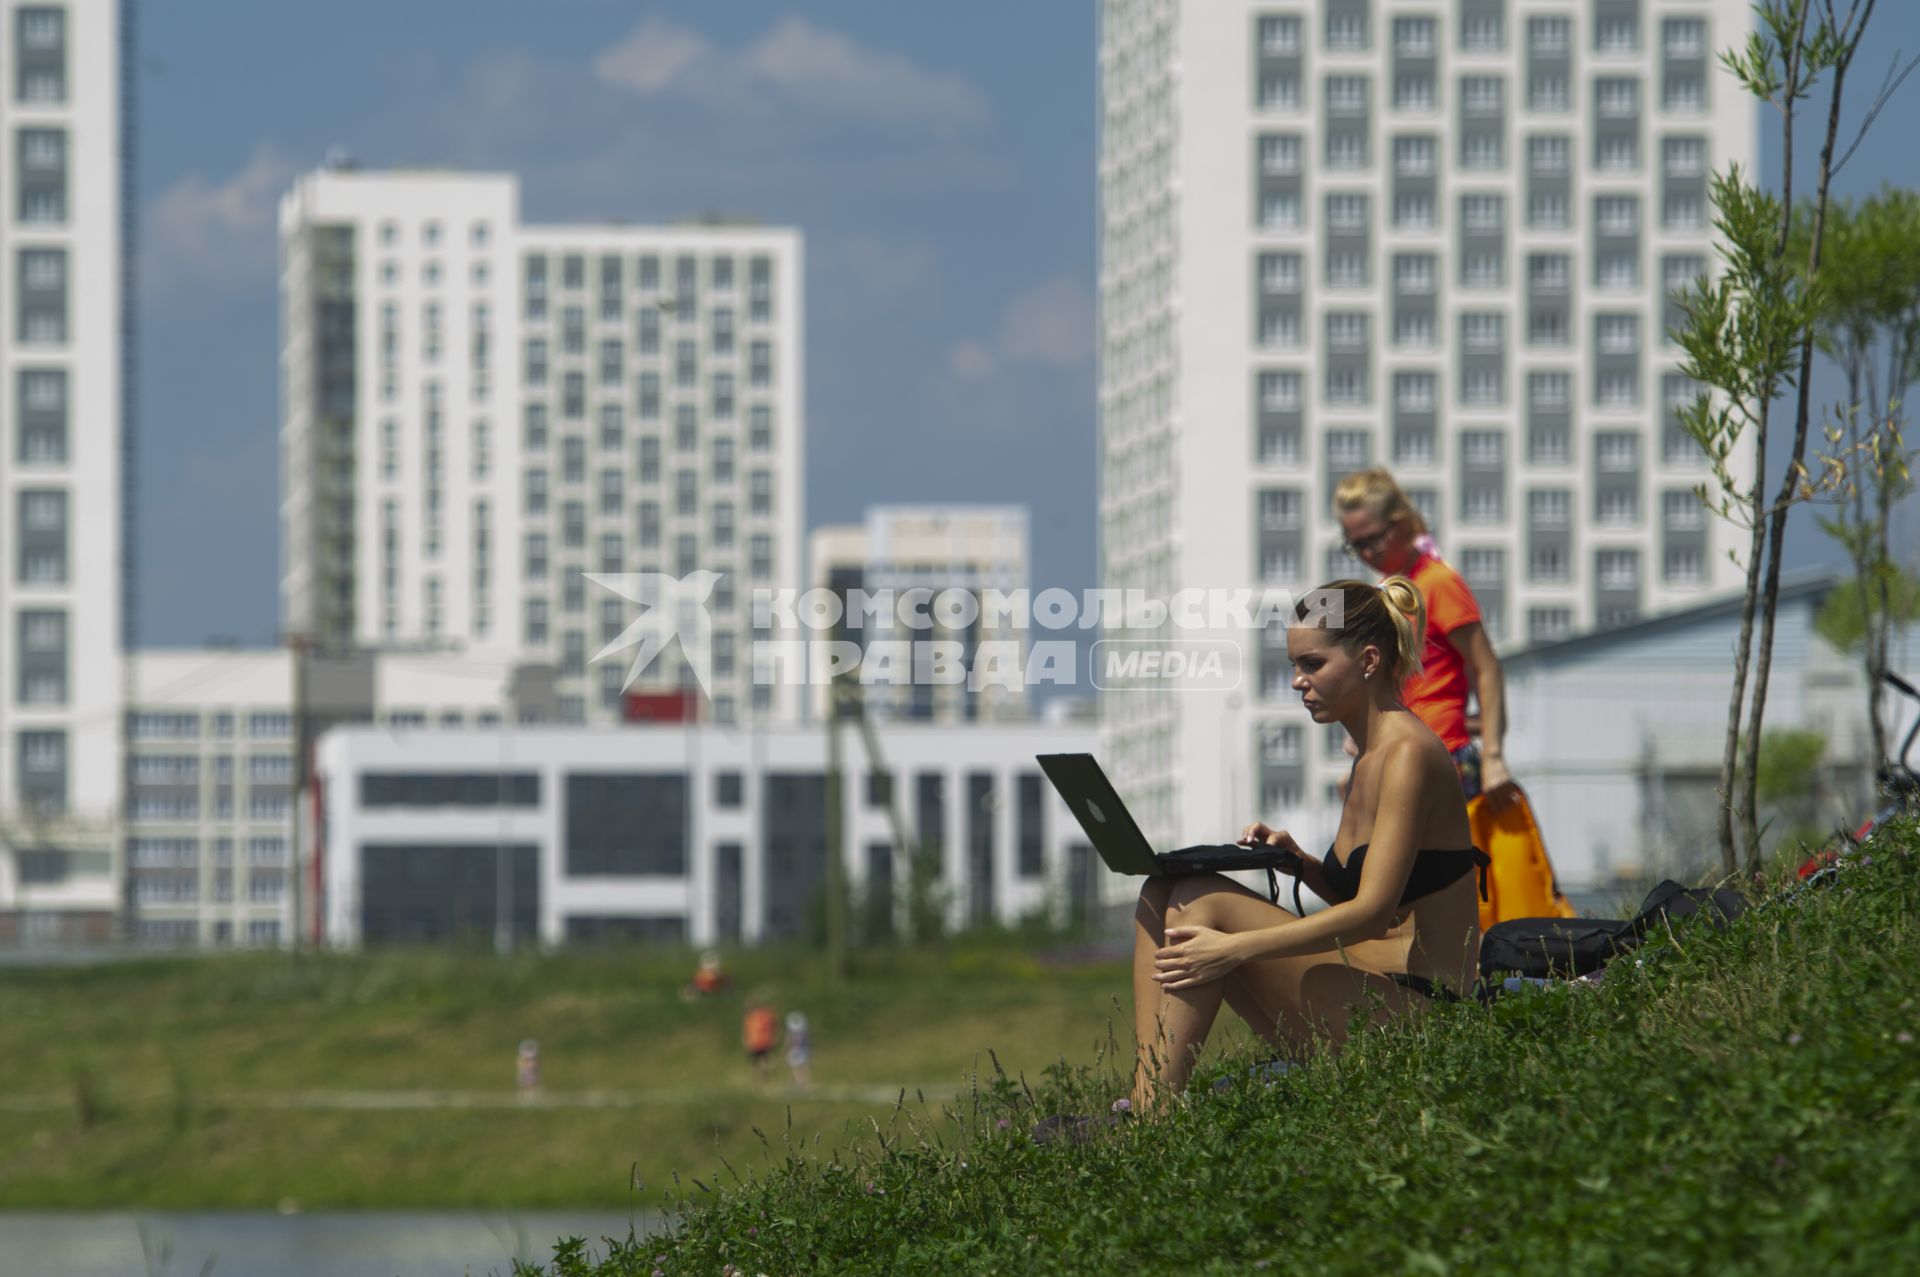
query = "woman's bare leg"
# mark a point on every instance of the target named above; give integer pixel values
(1287, 1001)
(1149, 936)
(1170, 1027)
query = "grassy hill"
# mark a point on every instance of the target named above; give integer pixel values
(1737, 1101)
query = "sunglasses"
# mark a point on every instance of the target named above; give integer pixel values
(1365, 545)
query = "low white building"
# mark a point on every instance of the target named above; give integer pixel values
(699, 834)
(211, 772)
(1617, 735)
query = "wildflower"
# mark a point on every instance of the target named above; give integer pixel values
(1793, 1039)
(1002, 1124)
(875, 1191)
(752, 1231)
(1123, 1105)
(1903, 1037)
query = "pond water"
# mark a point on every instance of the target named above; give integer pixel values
(319, 1244)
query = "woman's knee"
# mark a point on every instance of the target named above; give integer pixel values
(1191, 900)
(1154, 894)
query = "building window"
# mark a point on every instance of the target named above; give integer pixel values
(40, 60)
(42, 535)
(1617, 451)
(1413, 156)
(1279, 91)
(1347, 32)
(1483, 33)
(1616, 35)
(41, 411)
(42, 298)
(1279, 154)
(1413, 37)
(1619, 569)
(1617, 98)
(1347, 214)
(1618, 334)
(1413, 94)
(1617, 390)
(1545, 624)
(1483, 214)
(1279, 212)
(1279, 36)
(1482, 95)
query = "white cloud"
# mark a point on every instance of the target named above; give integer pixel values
(654, 57)
(199, 234)
(795, 66)
(1052, 323)
(971, 361)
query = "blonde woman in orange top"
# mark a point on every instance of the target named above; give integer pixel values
(1384, 530)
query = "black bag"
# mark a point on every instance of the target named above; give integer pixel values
(1566, 947)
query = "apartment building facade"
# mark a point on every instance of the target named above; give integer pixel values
(64, 271)
(480, 413)
(1437, 237)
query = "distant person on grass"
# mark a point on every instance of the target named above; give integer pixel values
(1403, 928)
(759, 1030)
(799, 1050)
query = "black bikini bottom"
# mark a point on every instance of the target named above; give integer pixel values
(1424, 987)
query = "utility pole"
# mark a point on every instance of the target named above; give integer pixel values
(836, 834)
(298, 645)
(905, 850)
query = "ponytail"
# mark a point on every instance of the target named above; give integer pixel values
(1391, 616)
(1409, 612)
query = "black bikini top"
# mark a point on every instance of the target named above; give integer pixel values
(1432, 870)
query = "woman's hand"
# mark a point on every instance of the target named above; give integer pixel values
(1194, 956)
(1259, 835)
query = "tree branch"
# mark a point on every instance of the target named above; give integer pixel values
(1885, 95)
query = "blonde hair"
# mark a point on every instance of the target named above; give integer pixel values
(1391, 616)
(1374, 490)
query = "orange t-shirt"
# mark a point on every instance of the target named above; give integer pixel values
(1438, 693)
(759, 1029)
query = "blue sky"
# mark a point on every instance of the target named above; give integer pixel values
(938, 158)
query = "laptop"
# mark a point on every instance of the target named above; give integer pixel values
(1110, 827)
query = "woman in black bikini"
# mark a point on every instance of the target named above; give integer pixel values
(1403, 926)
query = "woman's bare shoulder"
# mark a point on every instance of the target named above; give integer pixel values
(1412, 738)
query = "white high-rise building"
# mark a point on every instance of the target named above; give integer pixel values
(911, 555)
(478, 413)
(63, 376)
(1438, 237)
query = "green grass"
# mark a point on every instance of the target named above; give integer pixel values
(1738, 1101)
(148, 1077)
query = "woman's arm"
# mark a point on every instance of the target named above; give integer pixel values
(1490, 689)
(1307, 866)
(1383, 874)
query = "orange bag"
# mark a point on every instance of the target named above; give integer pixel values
(1520, 882)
